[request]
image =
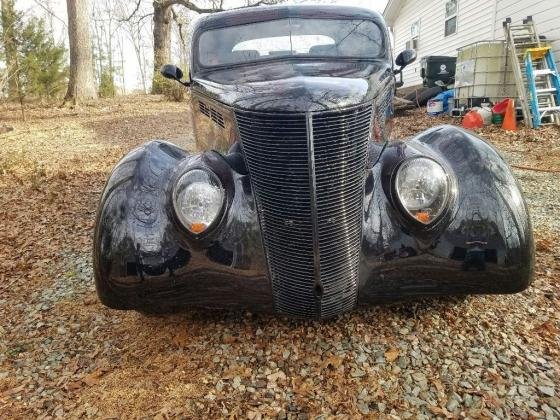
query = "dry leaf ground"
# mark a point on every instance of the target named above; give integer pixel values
(62, 354)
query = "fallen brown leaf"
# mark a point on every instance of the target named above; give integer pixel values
(92, 378)
(333, 361)
(181, 339)
(439, 386)
(392, 354)
(544, 245)
(438, 411)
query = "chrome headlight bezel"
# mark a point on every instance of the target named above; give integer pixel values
(420, 215)
(187, 179)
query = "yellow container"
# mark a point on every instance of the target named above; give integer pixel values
(537, 53)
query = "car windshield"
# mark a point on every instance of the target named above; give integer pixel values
(292, 37)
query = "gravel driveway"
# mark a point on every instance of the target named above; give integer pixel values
(62, 354)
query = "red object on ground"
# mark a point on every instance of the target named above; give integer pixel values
(473, 119)
(510, 122)
(500, 107)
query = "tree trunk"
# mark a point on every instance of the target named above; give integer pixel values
(10, 48)
(81, 85)
(163, 16)
(162, 43)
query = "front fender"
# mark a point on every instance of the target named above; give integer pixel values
(144, 260)
(483, 244)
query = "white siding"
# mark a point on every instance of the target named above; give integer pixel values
(477, 20)
(474, 23)
(546, 14)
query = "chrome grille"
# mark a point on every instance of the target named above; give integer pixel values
(307, 172)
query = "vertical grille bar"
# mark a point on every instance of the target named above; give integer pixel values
(307, 172)
(340, 146)
(318, 287)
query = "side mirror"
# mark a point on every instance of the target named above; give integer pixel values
(405, 58)
(170, 71)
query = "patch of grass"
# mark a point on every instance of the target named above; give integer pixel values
(12, 160)
(38, 176)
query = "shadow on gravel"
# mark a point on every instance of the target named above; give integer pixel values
(409, 309)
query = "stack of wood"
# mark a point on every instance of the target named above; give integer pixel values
(400, 104)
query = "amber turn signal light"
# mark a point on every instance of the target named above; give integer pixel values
(197, 227)
(423, 216)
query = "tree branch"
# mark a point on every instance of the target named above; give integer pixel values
(179, 24)
(260, 3)
(50, 12)
(193, 7)
(145, 16)
(133, 13)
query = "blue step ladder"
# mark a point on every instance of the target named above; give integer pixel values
(544, 86)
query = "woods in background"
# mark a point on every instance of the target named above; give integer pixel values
(33, 65)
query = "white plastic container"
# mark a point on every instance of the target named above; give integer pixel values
(434, 107)
(485, 113)
(484, 71)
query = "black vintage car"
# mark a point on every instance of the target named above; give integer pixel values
(298, 204)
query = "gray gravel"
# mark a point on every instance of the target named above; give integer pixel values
(542, 192)
(443, 357)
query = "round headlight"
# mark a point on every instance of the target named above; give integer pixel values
(198, 199)
(423, 188)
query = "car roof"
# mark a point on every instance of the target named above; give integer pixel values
(263, 13)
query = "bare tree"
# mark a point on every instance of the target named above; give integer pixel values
(81, 85)
(163, 19)
(120, 49)
(106, 35)
(137, 28)
(97, 44)
(181, 32)
(162, 41)
(163, 16)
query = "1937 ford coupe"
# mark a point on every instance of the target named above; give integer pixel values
(298, 204)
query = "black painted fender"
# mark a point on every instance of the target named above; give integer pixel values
(482, 244)
(143, 259)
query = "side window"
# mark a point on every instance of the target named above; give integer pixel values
(414, 36)
(451, 17)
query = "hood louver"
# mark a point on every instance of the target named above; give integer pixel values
(211, 113)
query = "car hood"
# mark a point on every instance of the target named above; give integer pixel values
(298, 87)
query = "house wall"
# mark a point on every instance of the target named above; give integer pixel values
(478, 20)
(474, 23)
(546, 14)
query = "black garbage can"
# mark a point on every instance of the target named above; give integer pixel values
(434, 68)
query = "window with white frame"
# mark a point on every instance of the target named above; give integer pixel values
(451, 7)
(414, 35)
